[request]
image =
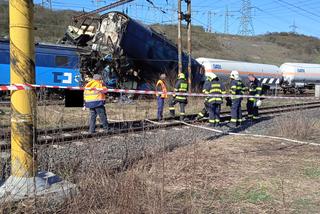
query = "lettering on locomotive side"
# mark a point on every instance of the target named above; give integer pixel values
(69, 78)
(59, 77)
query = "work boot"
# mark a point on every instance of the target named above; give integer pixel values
(181, 117)
(232, 125)
(256, 119)
(172, 114)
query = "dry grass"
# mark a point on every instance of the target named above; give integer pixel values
(298, 126)
(228, 175)
(99, 191)
(234, 175)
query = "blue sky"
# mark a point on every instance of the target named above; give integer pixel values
(268, 15)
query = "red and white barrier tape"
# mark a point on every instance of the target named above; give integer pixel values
(16, 87)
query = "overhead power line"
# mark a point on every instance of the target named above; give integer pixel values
(297, 11)
(300, 8)
(99, 10)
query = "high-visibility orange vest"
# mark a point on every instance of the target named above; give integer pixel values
(94, 98)
(163, 88)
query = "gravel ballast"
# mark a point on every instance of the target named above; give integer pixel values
(119, 152)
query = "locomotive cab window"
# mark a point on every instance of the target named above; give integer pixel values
(62, 61)
(301, 70)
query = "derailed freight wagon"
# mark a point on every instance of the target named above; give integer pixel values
(126, 51)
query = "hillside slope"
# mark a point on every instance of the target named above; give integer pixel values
(273, 48)
(50, 25)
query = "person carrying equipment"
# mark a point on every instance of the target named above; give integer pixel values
(180, 86)
(95, 101)
(161, 87)
(255, 89)
(214, 103)
(236, 88)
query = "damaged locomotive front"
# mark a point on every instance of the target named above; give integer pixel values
(99, 40)
(127, 53)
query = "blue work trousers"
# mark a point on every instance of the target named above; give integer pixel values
(182, 104)
(160, 101)
(253, 111)
(101, 111)
(236, 112)
(214, 113)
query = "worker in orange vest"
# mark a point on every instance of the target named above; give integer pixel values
(161, 87)
(95, 101)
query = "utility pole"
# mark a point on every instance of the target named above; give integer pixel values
(209, 28)
(23, 102)
(188, 19)
(179, 38)
(294, 27)
(226, 21)
(246, 25)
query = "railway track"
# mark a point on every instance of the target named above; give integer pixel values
(69, 134)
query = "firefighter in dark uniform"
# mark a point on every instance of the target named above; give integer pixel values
(213, 104)
(236, 88)
(181, 86)
(255, 89)
(209, 77)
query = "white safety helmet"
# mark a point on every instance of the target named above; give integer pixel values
(258, 103)
(234, 75)
(211, 75)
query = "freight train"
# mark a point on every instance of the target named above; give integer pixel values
(289, 77)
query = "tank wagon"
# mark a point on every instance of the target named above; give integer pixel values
(122, 48)
(268, 74)
(298, 76)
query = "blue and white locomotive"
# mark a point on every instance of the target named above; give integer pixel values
(56, 65)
